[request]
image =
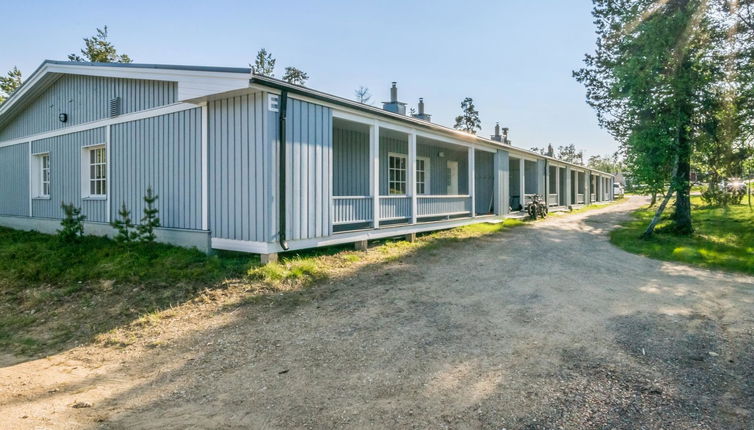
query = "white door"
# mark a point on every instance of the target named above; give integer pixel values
(452, 178)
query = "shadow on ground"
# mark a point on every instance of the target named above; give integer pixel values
(545, 326)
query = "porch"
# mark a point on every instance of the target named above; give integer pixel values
(523, 181)
(405, 178)
(557, 181)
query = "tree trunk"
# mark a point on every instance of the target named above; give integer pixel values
(681, 182)
(654, 199)
(658, 213)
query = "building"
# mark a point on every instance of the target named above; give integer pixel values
(207, 140)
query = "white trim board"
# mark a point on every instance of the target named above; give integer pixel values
(144, 114)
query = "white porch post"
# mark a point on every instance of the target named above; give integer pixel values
(412, 174)
(522, 185)
(472, 187)
(374, 171)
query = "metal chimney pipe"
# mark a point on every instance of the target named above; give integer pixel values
(421, 106)
(394, 93)
(497, 129)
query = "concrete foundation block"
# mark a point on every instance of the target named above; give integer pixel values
(411, 237)
(361, 245)
(268, 258)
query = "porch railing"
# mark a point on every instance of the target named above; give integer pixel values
(395, 207)
(592, 197)
(552, 200)
(528, 198)
(579, 199)
(352, 209)
(427, 206)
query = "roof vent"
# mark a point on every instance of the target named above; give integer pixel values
(502, 138)
(394, 105)
(114, 107)
(422, 115)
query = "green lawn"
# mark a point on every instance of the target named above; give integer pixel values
(723, 238)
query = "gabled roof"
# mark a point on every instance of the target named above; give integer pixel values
(193, 81)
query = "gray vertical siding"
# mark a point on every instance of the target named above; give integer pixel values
(350, 163)
(163, 153)
(309, 147)
(484, 177)
(242, 168)
(502, 190)
(85, 99)
(65, 175)
(14, 180)
(438, 167)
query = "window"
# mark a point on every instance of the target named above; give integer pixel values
(94, 172)
(40, 176)
(273, 102)
(422, 175)
(396, 174)
(45, 176)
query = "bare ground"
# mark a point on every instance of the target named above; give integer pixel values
(545, 326)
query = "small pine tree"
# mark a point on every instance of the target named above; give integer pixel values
(72, 223)
(295, 76)
(126, 228)
(469, 120)
(150, 220)
(264, 64)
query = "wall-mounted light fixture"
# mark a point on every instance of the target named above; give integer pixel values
(441, 154)
(63, 117)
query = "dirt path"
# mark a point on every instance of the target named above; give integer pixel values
(544, 326)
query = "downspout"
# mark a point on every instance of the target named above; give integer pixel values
(283, 110)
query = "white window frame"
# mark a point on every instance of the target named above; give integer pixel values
(425, 171)
(38, 175)
(86, 173)
(404, 182)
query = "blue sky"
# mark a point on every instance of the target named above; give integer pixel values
(514, 57)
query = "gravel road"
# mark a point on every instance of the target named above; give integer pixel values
(545, 326)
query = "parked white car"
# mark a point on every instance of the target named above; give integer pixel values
(618, 190)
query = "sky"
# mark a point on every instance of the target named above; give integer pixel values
(513, 57)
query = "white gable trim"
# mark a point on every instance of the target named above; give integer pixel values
(192, 84)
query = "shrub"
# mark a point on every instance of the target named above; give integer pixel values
(72, 223)
(126, 228)
(150, 220)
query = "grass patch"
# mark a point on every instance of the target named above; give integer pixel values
(723, 238)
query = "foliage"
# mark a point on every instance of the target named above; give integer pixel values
(98, 49)
(569, 154)
(653, 67)
(264, 64)
(150, 220)
(608, 163)
(125, 226)
(469, 120)
(363, 95)
(9, 83)
(295, 76)
(723, 238)
(72, 223)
